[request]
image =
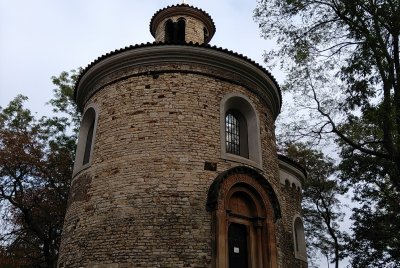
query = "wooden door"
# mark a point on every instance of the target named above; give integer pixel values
(237, 245)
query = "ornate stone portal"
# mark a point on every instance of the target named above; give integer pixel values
(176, 161)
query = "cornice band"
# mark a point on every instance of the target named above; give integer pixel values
(230, 67)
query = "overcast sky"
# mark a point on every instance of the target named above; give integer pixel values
(42, 38)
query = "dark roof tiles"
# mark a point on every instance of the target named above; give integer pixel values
(292, 162)
(148, 44)
(181, 5)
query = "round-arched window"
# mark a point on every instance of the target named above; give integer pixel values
(84, 148)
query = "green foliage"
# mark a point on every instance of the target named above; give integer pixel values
(321, 206)
(377, 219)
(375, 240)
(63, 100)
(343, 71)
(36, 161)
(342, 59)
(16, 115)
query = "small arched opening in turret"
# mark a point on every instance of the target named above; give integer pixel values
(175, 31)
(169, 31)
(181, 30)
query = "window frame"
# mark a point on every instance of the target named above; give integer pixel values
(83, 158)
(299, 242)
(242, 105)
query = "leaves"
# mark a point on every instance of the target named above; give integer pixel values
(376, 221)
(321, 206)
(346, 49)
(343, 73)
(36, 161)
(63, 101)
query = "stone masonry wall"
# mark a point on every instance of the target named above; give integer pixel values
(291, 204)
(142, 202)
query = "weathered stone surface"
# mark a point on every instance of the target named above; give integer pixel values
(157, 150)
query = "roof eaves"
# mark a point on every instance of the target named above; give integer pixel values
(148, 44)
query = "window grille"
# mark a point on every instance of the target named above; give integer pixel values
(232, 134)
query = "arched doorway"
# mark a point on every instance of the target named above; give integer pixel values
(244, 210)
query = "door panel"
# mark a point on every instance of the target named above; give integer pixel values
(237, 245)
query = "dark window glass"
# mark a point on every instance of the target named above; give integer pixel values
(205, 34)
(296, 235)
(232, 132)
(181, 31)
(88, 145)
(175, 31)
(169, 31)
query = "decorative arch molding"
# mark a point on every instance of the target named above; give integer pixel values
(244, 212)
(215, 188)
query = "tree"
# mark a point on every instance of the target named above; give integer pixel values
(36, 161)
(343, 69)
(63, 101)
(376, 241)
(343, 58)
(321, 206)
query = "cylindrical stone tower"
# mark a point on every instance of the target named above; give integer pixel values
(176, 161)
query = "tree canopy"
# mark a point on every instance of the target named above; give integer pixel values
(321, 206)
(342, 59)
(36, 161)
(343, 71)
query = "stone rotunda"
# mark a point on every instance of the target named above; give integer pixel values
(176, 163)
